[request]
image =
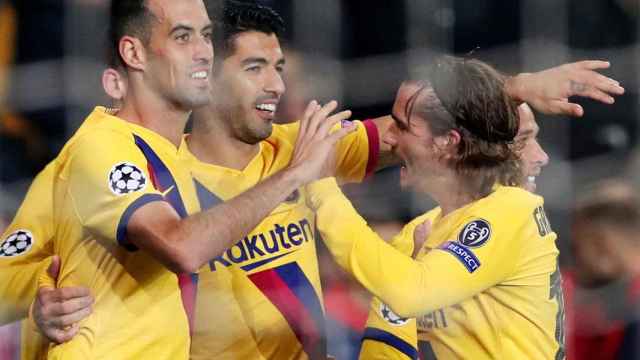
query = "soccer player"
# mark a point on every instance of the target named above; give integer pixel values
(121, 195)
(233, 146)
(387, 336)
(487, 278)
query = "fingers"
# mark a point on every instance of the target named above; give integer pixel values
(68, 293)
(69, 306)
(71, 318)
(420, 235)
(593, 64)
(62, 335)
(342, 132)
(596, 86)
(306, 117)
(58, 311)
(332, 120)
(567, 108)
(321, 115)
(54, 268)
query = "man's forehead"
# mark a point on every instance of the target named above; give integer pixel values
(185, 12)
(528, 123)
(257, 44)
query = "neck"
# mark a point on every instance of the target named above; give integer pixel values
(154, 113)
(450, 193)
(213, 142)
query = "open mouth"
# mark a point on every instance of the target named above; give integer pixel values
(267, 107)
(267, 110)
(202, 75)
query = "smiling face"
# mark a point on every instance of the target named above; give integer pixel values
(249, 85)
(533, 158)
(180, 54)
(412, 140)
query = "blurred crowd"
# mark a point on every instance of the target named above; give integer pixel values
(49, 78)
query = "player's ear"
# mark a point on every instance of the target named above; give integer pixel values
(113, 84)
(133, 52)
(449, 140)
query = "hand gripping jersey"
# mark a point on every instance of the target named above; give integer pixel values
(274, 269)
(107, 170)
(486, 285)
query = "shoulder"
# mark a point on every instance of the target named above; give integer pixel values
(507, 211)
(429, 215)
(284, 133)
(511, 203)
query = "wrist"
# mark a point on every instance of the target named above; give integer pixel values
(293, 178)
(515, 87)
(321, 189)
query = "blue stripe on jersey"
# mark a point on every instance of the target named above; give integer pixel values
(426, 351)
(391, 340)
(121, 232)
(262, 262)
(165, 179)
(297, 281)
(206, 198)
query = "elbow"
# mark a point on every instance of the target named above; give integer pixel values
(180, 262)
(179, 257)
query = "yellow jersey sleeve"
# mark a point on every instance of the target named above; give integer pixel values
(394, 277)
(107, 183)
(357, 153)
(25, 248)
(387, 335)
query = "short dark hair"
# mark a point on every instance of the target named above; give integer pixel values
(234, 17)
(128, 17)
(467, 95)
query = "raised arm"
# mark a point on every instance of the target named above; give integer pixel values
(184, 245)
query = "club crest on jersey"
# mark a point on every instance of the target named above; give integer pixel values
(389, 316)
(16, 244)
(475, 234)
(126, 178)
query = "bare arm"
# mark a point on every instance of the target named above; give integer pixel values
(184, 245)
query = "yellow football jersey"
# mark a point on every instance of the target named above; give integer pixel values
(107, 170)
(485, 286)
(25, 248)
(274, 269)
(24, 255)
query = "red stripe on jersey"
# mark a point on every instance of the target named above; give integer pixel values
(295, 313)
(188, 290)
(152, 175)
(374, 145)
